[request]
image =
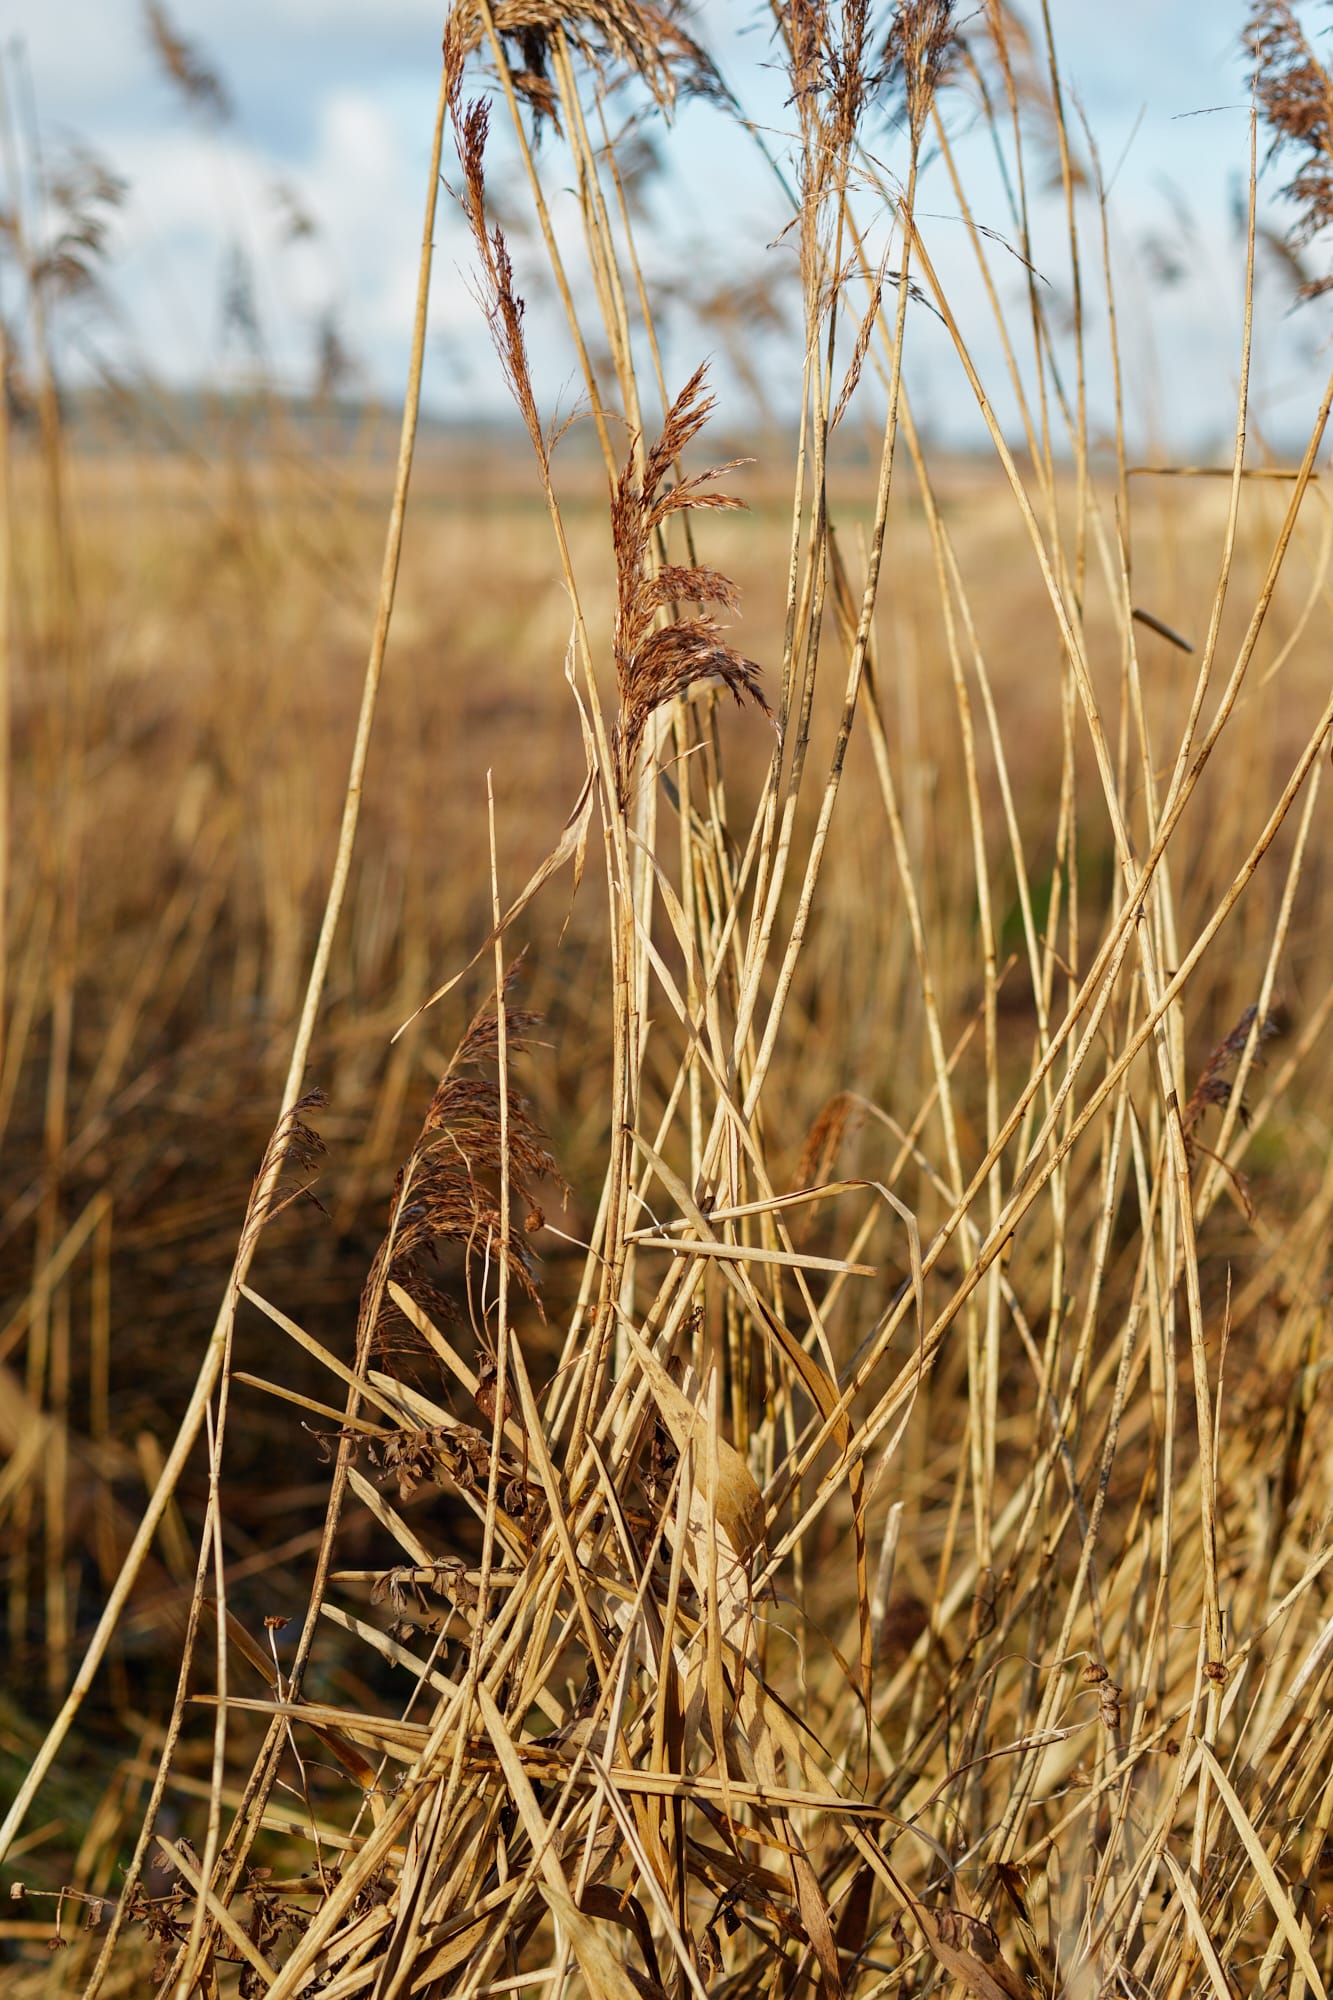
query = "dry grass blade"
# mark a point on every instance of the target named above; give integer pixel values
(1278, 1897)
(603, 1971)
(1198, 1929)
(181, 1862)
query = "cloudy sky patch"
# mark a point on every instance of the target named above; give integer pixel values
(333, 101)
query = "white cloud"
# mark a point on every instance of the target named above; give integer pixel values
(336, 98)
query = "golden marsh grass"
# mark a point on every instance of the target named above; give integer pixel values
(747, 1416)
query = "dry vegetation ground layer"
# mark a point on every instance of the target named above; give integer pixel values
(774, 1438)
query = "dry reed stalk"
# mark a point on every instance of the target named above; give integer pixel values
(6, 689)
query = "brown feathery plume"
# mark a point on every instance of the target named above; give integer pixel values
(831, 81)
(850, 78)
(865, 333)
(739, 311)
(499, 301)
(449, 1190)
(336, 366)
(807, 63)
(1295, 95)
(841, 1115)
(296, 1144)
(84, 194)
(1214, 1086)
(198, 82)
(919, 51)
(640, 40)
(655, 666)
(298, 223)
(837, 1120)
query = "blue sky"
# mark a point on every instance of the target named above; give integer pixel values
(334, 98)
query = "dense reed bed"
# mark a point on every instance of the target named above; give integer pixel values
(675, 1341)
